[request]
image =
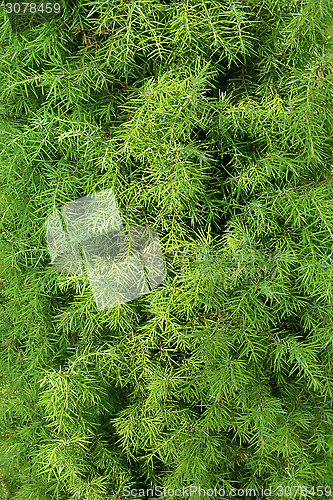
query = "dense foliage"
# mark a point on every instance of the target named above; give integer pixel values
(212, 120)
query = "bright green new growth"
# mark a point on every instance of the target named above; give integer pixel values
(212, 121)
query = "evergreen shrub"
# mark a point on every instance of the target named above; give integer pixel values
(212, 121)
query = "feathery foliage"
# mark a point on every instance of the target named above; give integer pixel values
(212, 120)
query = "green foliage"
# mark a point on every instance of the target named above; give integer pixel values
(213, 122)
